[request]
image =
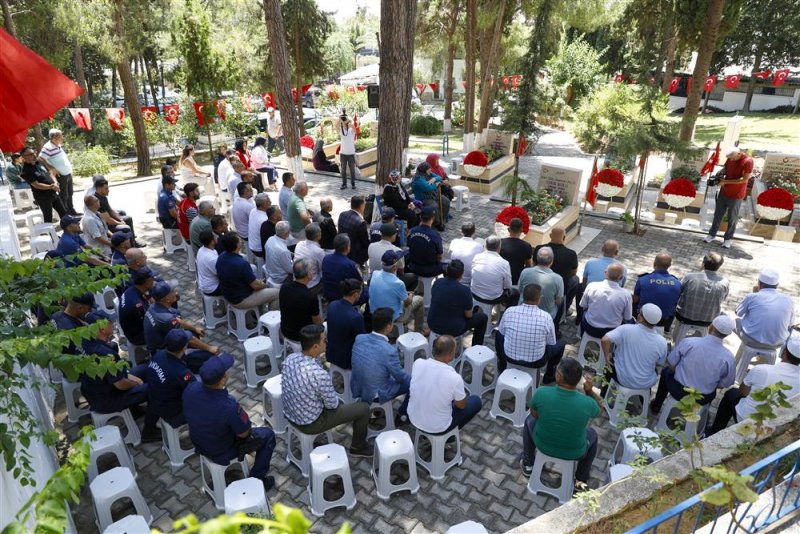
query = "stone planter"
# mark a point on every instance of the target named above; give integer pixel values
(692, 211)
(566, 219)
(490, 179)
(330, 153)
(367, 162)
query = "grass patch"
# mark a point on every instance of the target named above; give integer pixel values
(760, 131)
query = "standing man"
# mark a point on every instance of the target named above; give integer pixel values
(296, 211)
(352, 223)
(57, 162)
(274, 131)
(565, 263)
(733, 188)
(347, 151)
(44, 188)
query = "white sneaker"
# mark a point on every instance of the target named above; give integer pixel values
(727, 243)
(708, 239)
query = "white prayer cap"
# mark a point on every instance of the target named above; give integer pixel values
(723, 324)
(651, 313)
(732, 151)
(793, 346)
(769, 276)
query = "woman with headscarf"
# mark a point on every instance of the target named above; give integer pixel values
(321, 161)
(428, 188)
(396, 196)
(261, 160)
(189, 169)
(438, 170)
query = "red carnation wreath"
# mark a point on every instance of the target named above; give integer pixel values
(775, 204)
(679, 193)
(514, 212)
(609, 182)
(307, 141)
(475, 163)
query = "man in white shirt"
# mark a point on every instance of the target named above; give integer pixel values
(206, 262)
(376, 250)
(309, 250)
(258, 216)
(491, 276)
(765, 316)
(279, 258)
(605, 304)
(437, 400)
(738, 402)
(94, 227)
(274, 130)
(347, 151)
(55, 159)
(235, 178)
(465, 248)
(240, 212)
(225, 171)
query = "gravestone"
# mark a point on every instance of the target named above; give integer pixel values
(694, 162)
(787, 165)
(499, 139)
(560, 180)
(732, 130)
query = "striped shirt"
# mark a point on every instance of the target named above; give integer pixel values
(55, 156)
(702, 295)
(307, 389)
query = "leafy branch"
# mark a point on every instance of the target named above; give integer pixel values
(286, 520)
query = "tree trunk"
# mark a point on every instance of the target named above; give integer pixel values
(80, 75)
(449, 81)
(705, 102)
(708, 43)
(669, 43)
(395, 71)
(140, 70)
(470, 29)
(751, 85)
(149, 74)
(113, 85)
(129, 90)
(298, 78)
(408, 69)
(283, 85)
(640, 184)
(489, 57)
(8, 20)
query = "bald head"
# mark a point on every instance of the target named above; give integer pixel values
(557, 235)
(135, 258)
(325, 204)
(663, 261)
(614, 272)
(610, 248)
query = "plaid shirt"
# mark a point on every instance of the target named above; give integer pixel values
(307, 389)
(527, 330)
(702, 295)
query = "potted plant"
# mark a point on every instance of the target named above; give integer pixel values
(627, 222)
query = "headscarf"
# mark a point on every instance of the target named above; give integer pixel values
(318, 145)
(239, 145)
(422, 168)
(260, 141)
(433, 161)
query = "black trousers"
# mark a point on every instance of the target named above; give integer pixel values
(551, 357)
(668, 384)
(128, 222)
(509, 297)
(65, 184)
(49, 201)
(726, 410)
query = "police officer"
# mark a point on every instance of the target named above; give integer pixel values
(659, 287)
(114, 392)
(134, 304)
(73, 316)
(120, 243)
(219, 426)
(167, 376)
(162, 316)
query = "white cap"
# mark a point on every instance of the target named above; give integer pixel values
(723, 324)
(793, 346)
(651, 313)
(732, 151)
(270, 109)
(769, 277)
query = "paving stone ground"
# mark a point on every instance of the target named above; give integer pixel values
(488, 487)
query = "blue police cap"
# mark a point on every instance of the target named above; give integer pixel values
(214, 369)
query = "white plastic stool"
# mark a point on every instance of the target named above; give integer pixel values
(479, 357)
(191, 261)
(130, 524)
(462, 197)
(487, 309)
(467, 527)
(210, 307)
(270, 323)
(532, 372)
(306, 442)
(133, 437)
(108, 440)
(237, 322)
(272, 395)
(427, 285)
(217, 475)
(390, 447)
(518, 384)
(247, 496)
(346, 394)
(437, 466)
(408, 345)
(23, 198)
(689, 427)
(633, 442)
(619, 397)
(291, 347)
(567, 468)
(459, 347)
(105, 301)
(111, 486)
(327, 461)
(747, 352)
(134, 351)
(388, 411)
(74, 412)
(171, 445)
(618, 472)
(681, 330)
(41, 243)
(601, 359)
(37, 226)
(171, 238)
(254, 348)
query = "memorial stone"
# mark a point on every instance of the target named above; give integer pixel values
(786, 165)
(562, 181)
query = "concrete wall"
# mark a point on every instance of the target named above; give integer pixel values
(734, 101)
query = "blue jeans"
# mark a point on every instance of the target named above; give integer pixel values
(584, 468)
(263, 455)
(462, 416)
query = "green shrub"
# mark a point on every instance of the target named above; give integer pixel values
(425, 125)
(690, 173)
(93, 160)
(366, 144)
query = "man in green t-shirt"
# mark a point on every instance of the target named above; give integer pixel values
(559, 422)
(297, 213)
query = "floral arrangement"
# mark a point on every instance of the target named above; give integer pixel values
(514, 212)
(475, 163)
(609, 182)
(775, 204)
(493, 153)
(307, 142)
(679, 193)
(791, 184)
(541, 205)
(684, 171)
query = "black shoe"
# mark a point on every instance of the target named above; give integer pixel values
(137, 411)
(365, 451)
(344, 186)
(139, 244)
(353, 185)
(655, 409)
(269, 482)
(580, 487)
(526, 469)
(400, 420)
(151, 436)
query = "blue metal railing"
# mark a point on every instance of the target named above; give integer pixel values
(775, 473)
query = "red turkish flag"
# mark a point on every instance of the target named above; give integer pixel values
(708, 86)
(116, 118)
(306, 87)
(732, 81)
(780, 77)
(516, 79)
(420, 88)
(269, 100)
(506, 81)
(763, 75)
(712, 161)
(591, 194)
(149, 113)
(619, 78)
(522, 145)
(673, 84)
(199, 111)
(294, 95)
(220, 105)
(15, 143)
(433, 86)
(361, 87)
(356, 126)
(171, 113)
(81, 117)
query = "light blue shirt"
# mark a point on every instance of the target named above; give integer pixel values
(703, 363)
(387, 291)
(551, 283)
(766, 316)
(637, 351)
(376, 369)
(278, 260)
(595, 270)
(283, 200)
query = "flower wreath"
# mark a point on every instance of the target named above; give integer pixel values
(775, 204)
(609, 182)
(514, 212)
(679, 193)
(475, 163)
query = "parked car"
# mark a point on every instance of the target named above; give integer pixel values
(312, 96)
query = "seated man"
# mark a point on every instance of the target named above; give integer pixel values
(134, 303)
(388, 234)
(162, 316)
(201, 223)
(352, 223)
(337, 267)
(310, 250)
(518, 253)
(634, 350)
(594, 271)
(116, 220)
(565, 262)
(258, 216)
(702, 363)
(452, 311)
(167, 377)
(437, 399)
(219, 225)
(465, 248)
(114, 392)
(552, 285)
(388, 291)
(95, 228)
(187, 209)
(309, 400)
(377, 373)
(267, 230)
(344, 324)
(766, 316)
(206, 264)
(286, 192)
(71, 243)
(388, 216)
(606, 305)
(73, 316)
(703, 293)
(660, 288)
(425, 247)
(278, 256)
(240, 211)
(218, 425)
(526, 336)
(167, 206)
(739, 404)
(491, 276)
(297, 214)
(558, 424)
(238, 284)
(298, 306)
(120, 244)
(326, 224)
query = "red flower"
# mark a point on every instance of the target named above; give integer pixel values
(514, 212)
(477, 158)
(307, 141)
(777, 197)
(681, 187)
(611, 177)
